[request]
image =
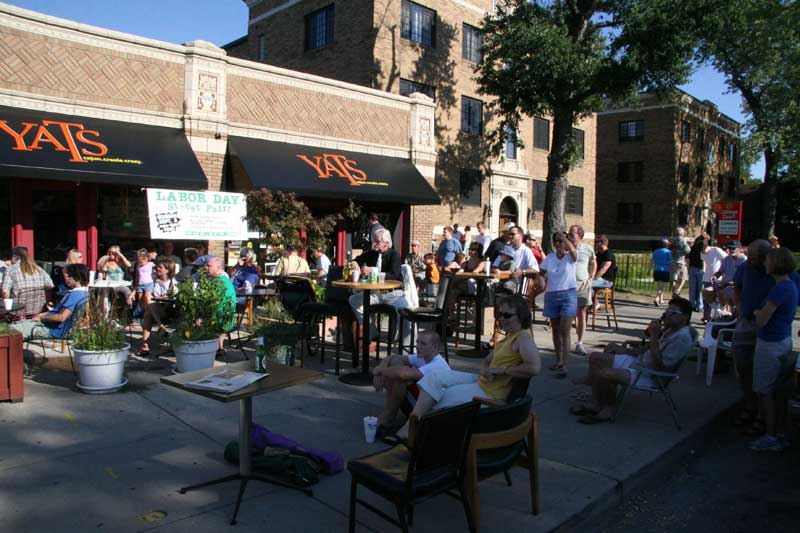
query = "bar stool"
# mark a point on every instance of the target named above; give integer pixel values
(438, 315)
(464, 303)
(608, 301)
(314, 313)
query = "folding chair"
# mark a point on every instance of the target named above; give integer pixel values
(713, 340)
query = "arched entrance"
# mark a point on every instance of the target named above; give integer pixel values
(508, 213)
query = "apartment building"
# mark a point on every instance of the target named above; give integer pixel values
(429, 47)
(661, 165)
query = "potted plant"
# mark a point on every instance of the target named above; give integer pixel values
(201, 319)
(11, 364)
(280, 333)
(98, 340)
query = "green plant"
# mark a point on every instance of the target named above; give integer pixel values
(279, 331)
(319, 291)
(5, 329)
(96, 329)
(202, 311)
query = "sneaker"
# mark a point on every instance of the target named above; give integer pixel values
(579, 350)
(767, 443)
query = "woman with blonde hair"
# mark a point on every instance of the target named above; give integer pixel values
(74, 257)
(26, 282)
(112, 266)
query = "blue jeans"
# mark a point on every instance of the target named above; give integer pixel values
(696, 288)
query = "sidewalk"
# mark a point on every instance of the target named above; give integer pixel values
(74, 462)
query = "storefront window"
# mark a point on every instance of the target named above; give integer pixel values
(54, 223)
(122, 214)
(5, 220)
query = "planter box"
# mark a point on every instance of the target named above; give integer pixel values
(12, 386)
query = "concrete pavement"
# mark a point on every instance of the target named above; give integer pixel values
(74, 462)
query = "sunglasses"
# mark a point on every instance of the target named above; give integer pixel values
(506, 315)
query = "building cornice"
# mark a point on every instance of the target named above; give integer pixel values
(682, 107)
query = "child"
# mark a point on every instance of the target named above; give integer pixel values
(507, 264)
(144, 279)
(431, 270)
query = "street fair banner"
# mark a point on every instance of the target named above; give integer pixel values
(196, 215)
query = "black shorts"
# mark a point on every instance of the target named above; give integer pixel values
(661, 276)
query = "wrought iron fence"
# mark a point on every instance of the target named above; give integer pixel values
(634, 271)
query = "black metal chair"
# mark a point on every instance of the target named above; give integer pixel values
(433, 464)
(312, 313)
(438, 315)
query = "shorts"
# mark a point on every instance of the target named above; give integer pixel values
(584, 293)
(145, 287)
(678, 271)
(450, 387)
(661, 275)
(772, 364)
(744, 343)
(412, 393)
(559, 304)
(625, 362)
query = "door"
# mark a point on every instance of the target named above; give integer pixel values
(54, 223)
(508, 213)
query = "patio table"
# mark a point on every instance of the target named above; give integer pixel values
(480, 279)
(280, 377)
(364, 378)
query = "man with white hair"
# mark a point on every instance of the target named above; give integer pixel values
(227, 306)
(678, 273)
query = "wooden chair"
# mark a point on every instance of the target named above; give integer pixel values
(433, 464)
(503, 436)
(608, 301)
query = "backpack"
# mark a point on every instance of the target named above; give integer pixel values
(292, 467)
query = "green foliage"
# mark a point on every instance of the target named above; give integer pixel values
(319, 291)
(282, 219)
(201, 313)
(277, 327)
(5, 329)
(565, 59)
(98, 330)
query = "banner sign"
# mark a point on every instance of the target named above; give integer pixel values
(196, 215)
(729, 220)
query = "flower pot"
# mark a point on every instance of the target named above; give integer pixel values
(195, 355)
(101, 371)
(12, 387)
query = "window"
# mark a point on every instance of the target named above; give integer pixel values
(319, 28)
(470, 186)
(686, 132)
(539, 190)
(471, 115)
(698, 216)
(683, 215)
(577, 138)
(471, 43)
(701, 137)
(732, 185)
(541, 133)
(575, 201)
(407, 87)
(699, 177)
(733, 150)
(722, 147)
(262, 48)
(683, 172)
(418, 24)
(629, 213)
(631, 130)
(720, 184)
(630, 171)
(511, 143)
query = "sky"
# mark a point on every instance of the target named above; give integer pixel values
(222, 21)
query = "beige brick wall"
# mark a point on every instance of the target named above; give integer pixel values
(213, 166)
(54, 67)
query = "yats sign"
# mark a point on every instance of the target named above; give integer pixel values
(338, 166)
(78, 143)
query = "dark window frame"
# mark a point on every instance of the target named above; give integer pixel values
(684, 173)
(574, 203)
(539, 192)
(629, 213)
(579, 139)
(686, 131)
(417, 87)
(630, 171)
(541, 133)
(261, 43)
(467, 122)
(411, 12)
(467, 198)
(510, 148)
(471, 43)
(635, 135)
(313, 40)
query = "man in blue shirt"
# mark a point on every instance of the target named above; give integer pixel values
(448, 248)
(56, 324)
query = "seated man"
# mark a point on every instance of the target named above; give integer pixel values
(671, 340)
(291, 263)
(227, 305)
(398, 375)
(721, 290)
(56, 324)
(515, 356)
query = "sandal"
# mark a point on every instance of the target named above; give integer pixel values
(144, 351)
(756, 429)
(220, 352)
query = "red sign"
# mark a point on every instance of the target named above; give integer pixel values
(729, 221)
(61, 136)
(328, 165)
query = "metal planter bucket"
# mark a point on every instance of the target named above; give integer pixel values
(195, 355)
(101, 371)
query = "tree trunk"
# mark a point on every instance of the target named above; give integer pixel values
(558, 164)
(769, 194)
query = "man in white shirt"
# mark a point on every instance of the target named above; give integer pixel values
(484, 238)
(322, 264)
(398, 376)
(523, 256)
(585, 268)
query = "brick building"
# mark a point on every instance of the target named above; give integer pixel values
(429, 47)
(663, 165)
(89, 116)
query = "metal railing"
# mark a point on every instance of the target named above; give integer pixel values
(634, 271)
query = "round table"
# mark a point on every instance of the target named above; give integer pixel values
(364, 378)
(9, 315)
(480, 279)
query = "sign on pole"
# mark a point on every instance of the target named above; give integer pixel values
(729, 219)
(196, 215)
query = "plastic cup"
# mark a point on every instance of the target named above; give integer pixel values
(370, 427)
(8, 303)
(486, 267)
(92, 276)
(382, 277)
(356, 275)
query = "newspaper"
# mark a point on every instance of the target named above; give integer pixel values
(226, 381)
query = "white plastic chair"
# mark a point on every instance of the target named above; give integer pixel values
(712, 341)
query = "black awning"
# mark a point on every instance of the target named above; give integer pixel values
(324, 172)
(38, 144)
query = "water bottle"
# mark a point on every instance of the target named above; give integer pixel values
(261, 356)
(248, 287)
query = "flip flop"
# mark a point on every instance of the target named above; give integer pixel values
(394, 440)
(592, 419)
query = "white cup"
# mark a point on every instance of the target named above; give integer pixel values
(486, 267)
(356, 275)
(92, 276)
(381, 277)
(8, 303)
(370, 427)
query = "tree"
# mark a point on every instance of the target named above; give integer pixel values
(755, 44)
(566, 58)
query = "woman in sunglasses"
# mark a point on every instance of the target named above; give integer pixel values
(561, 296)
(515, 356)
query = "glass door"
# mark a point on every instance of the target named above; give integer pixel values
(54, 223)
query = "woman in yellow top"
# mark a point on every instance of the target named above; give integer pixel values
(516, 356)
